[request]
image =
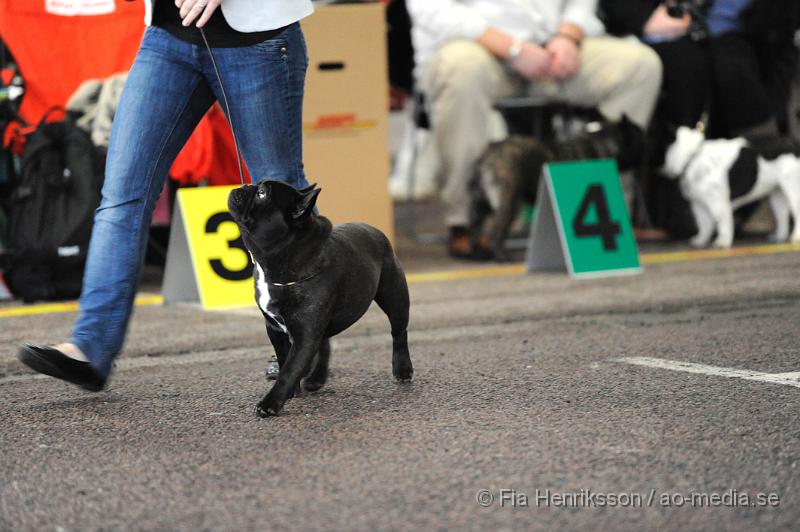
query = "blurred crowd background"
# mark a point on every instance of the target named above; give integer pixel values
(730, 64)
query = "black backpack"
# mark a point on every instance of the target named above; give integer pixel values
(51, 212)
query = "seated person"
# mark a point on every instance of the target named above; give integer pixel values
(469, 53)
(733, 58)
(738, 56)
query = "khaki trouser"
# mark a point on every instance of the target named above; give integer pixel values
(463, 80)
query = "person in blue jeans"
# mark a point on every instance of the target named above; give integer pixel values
(261, 54)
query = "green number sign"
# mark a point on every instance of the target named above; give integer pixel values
(582, 223)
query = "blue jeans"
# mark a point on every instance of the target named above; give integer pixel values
(170, 87)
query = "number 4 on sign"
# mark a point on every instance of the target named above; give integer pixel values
(604, 228)
(582, 222)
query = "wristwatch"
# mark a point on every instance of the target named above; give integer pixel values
(514, 50)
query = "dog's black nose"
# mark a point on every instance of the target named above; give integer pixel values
(236, 199)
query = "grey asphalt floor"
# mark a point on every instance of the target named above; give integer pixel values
(519, 391)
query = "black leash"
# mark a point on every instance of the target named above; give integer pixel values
(238, 154)
(225, 102)
(228, 116)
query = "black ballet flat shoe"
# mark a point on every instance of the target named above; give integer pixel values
(56, 364)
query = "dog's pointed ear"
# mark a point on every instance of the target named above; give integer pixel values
(306, 201)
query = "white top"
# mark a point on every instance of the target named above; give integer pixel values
(434, 22)
(249, 16)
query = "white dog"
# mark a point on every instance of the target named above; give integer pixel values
(719, 176)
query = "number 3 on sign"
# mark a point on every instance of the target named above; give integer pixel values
(212, 226)
(206, 242)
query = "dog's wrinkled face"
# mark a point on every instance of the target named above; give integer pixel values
(687, 143)
(271, 210)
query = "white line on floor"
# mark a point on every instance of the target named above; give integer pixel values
(793, 375)
(788, 379)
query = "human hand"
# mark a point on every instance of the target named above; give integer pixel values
(532, 62)
(192, 9)
(565, 58)
(663, 26)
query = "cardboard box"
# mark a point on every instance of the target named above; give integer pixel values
(346, 114)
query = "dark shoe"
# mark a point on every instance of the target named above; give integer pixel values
(462, 247)
(650, 234)
(53, 362)
(273, 369)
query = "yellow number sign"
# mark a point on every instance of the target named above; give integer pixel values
(207, 260)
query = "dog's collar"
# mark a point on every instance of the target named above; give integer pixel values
(253, 259)
(294, 282)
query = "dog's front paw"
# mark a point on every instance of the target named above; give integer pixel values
(263, 412)
(403, 371)
(723, 243)
(698, 242)
(268, 407)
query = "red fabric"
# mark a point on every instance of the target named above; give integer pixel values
(55, 54)
(210, 154)
(6, 75)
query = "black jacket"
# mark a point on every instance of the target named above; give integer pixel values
(769, 26)
(773, 19)
(627, 17)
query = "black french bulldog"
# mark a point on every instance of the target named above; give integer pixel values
(313, 281)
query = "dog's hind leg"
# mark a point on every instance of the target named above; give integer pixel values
(392, 298)
(500, 225)
(318, 375)
(780, 212)
(790, 185)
